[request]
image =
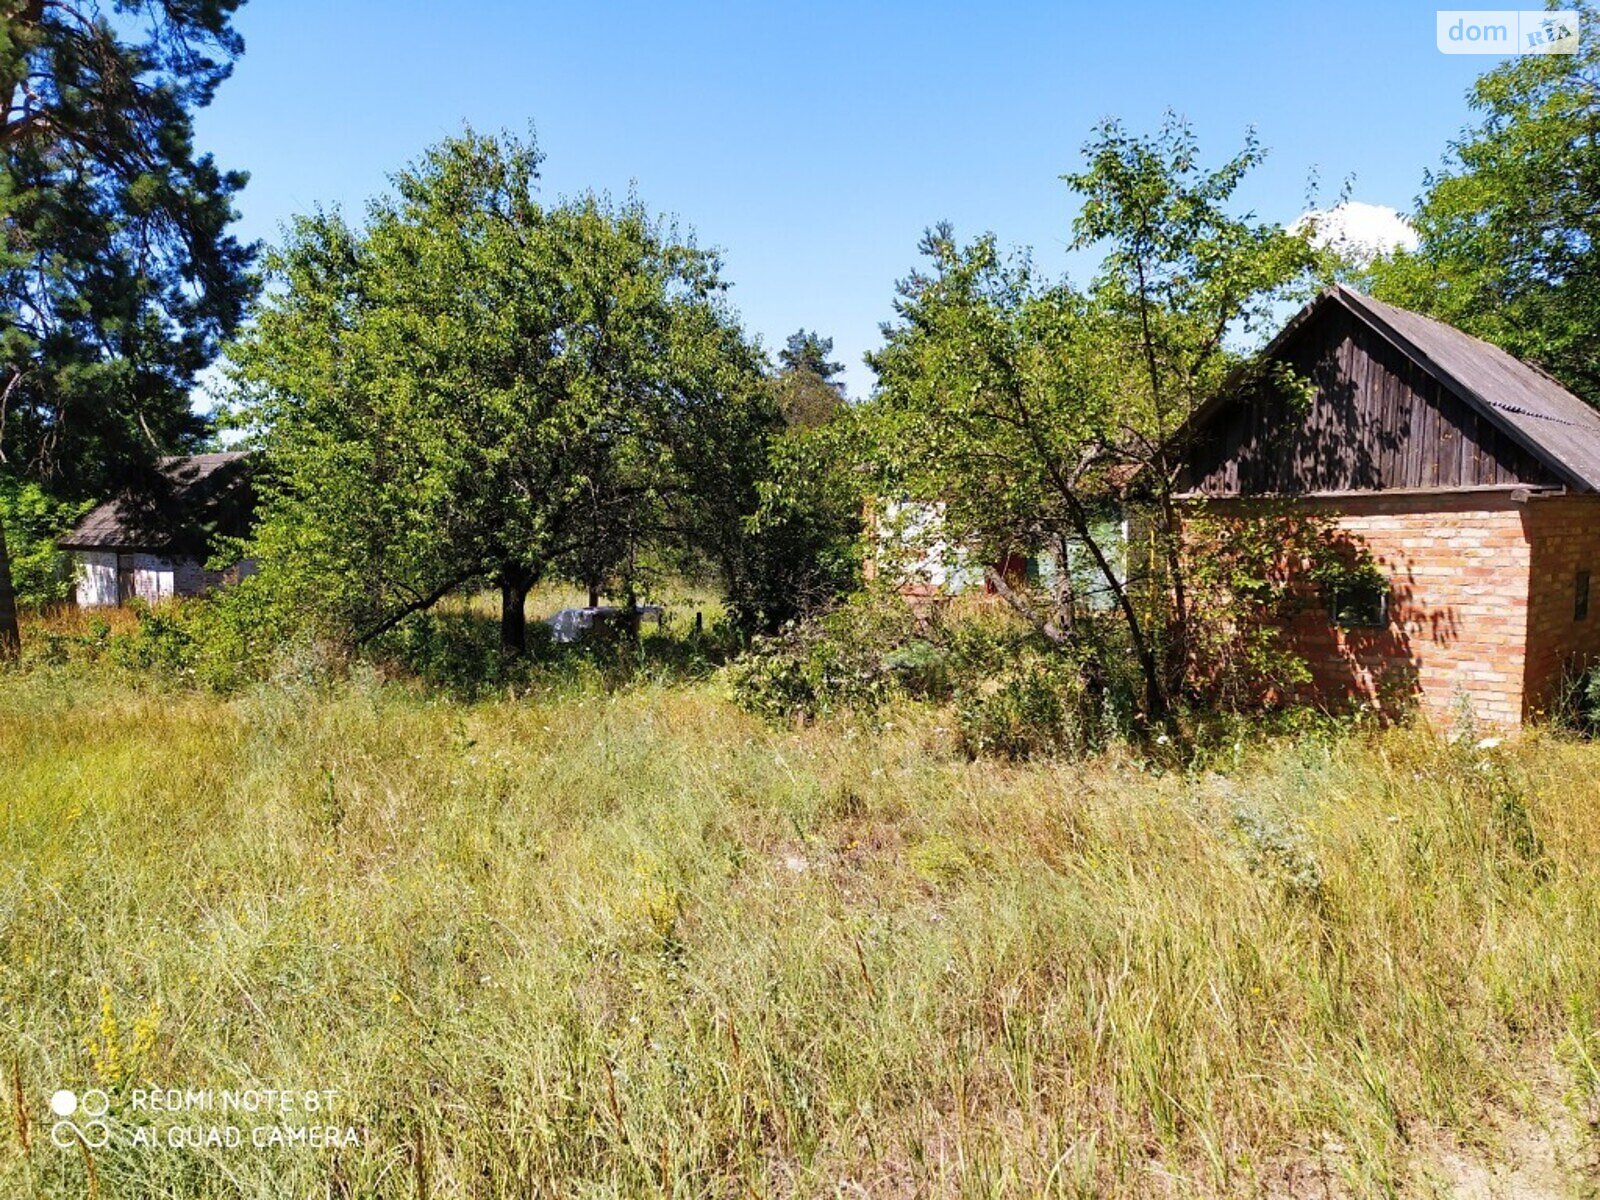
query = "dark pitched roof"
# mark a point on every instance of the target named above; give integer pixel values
(1529, 406)
(192, 484)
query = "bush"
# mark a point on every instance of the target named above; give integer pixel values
(801, 547)
(841, 660)
(921, 669)
(1578, 707)
(41, 574)
(220, 642)
(775, 685)
(460, 651)
(1039, 707)
(1016, 694)
(162, 640)
(244, 634)
(1248, 579)
(1279, 851)
(1019, 717)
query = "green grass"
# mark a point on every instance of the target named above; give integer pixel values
(632, 942)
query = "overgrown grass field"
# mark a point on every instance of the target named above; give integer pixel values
(606, 941)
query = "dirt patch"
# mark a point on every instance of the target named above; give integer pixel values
(1548, 1157)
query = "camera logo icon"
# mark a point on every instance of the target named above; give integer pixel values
(79, 1118)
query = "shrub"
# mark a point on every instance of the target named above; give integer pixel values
(244, 634)
(1039, 707)
(220, 642)
(460, 651)
(1248, 578)
(41, 574)
(838, 661)
(773, 685)
(1279, 851)
(1578, 706)
(987, 641)
(871, 648)
(160, 641)
(1018, 717)
(800, 552)
(1017, 695)
(921, 669)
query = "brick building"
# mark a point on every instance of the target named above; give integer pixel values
(1472, 478)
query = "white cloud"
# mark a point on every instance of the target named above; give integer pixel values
(1360, 231)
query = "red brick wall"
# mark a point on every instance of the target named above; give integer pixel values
(1565, 536)
(1458, 611)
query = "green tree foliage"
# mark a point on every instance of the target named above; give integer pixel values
(1509, 226)
(807, 386)
(119, 278)
(1024, 406)
(802, 545)
(34, 519)
(473, 387)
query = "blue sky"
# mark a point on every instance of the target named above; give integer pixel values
(813, 143)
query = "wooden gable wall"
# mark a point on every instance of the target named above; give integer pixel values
(1379, 421)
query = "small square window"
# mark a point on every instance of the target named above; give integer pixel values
(1580, 596)
(1359, 605)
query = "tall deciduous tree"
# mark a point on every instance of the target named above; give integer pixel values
(675, 454)
(1023, 406)
(800, 549)
(1510, 227)
(118, 276)
(474, 388)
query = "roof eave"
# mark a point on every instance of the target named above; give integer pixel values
(116, 547)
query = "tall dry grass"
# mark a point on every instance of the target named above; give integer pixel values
(637, 944)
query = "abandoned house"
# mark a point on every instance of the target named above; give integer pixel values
(156, 546)
(1473, 479)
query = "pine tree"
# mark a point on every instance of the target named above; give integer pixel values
(119, 278)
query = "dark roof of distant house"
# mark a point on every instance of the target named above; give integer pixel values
(189, 485)
(1524, 403)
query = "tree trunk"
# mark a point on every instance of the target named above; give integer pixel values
(630, 596)
(1157, 704)
(514, 587)
(1066, 600)
(10, 638)
(1177, 649)
(1047, 627)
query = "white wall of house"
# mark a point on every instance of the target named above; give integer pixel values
(97, 578)
(912, 544)
(153, 577)
(149, 577)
